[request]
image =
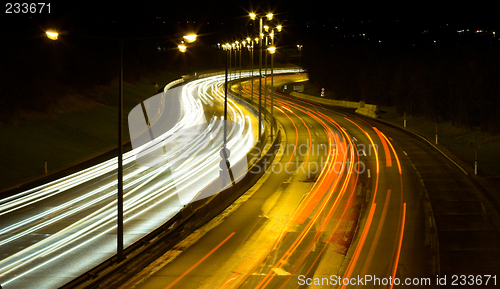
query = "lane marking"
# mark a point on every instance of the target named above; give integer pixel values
(374, 243)
(152, 266)
(199, 261)
(399, 244)
(368, 171)
(361, 242)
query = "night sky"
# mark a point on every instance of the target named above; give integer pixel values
(136, 18)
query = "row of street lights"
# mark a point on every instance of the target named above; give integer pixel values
(190, 38)
(249, 44)
(236, 46)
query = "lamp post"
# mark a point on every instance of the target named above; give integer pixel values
(235, 48)
(189, 38)
(240, 48)
(299, 47)
(225, 153)
(119, 233)
(250, 47)
(254, 16)
(272, 50)
(265, 73)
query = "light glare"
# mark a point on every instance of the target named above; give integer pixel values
(52, 35)
(190, 38)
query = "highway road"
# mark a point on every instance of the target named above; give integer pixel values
(339, 200)
(346, 198)
(55, 232)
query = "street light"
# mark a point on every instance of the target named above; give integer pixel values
(250, 47)
(182, 47)
(254, 16)
(271, 50)
(299, 47)
(225, 153)
(190, 38)
(54, 36)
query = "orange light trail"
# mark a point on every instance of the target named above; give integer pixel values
(376, 157)
(394, 151)
(322, 201)
(400, 243)
(158, 261)
(388, 159)
(357, 252)
(313, 220)
(296, 138)
(374, 243)
(199, 261)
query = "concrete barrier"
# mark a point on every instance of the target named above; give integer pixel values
(361, 107)
(366, 112)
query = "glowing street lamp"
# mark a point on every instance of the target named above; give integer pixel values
(119, 232)
(254, 16)
(190, 38)
(52, 35)
(182, 48)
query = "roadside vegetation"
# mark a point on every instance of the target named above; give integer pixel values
(451, 82)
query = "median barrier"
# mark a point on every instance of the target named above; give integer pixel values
(366, 112)
(362, 108)
(206, 209)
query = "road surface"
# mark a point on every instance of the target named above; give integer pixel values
(338, 201)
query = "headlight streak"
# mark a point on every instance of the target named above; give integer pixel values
(138, 198)
(79, 222)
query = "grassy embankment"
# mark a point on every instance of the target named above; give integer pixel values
(461, 142)
(76, 130)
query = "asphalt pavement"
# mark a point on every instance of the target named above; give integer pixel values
(365, 212)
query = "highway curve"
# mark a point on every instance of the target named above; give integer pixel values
(339, 200)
